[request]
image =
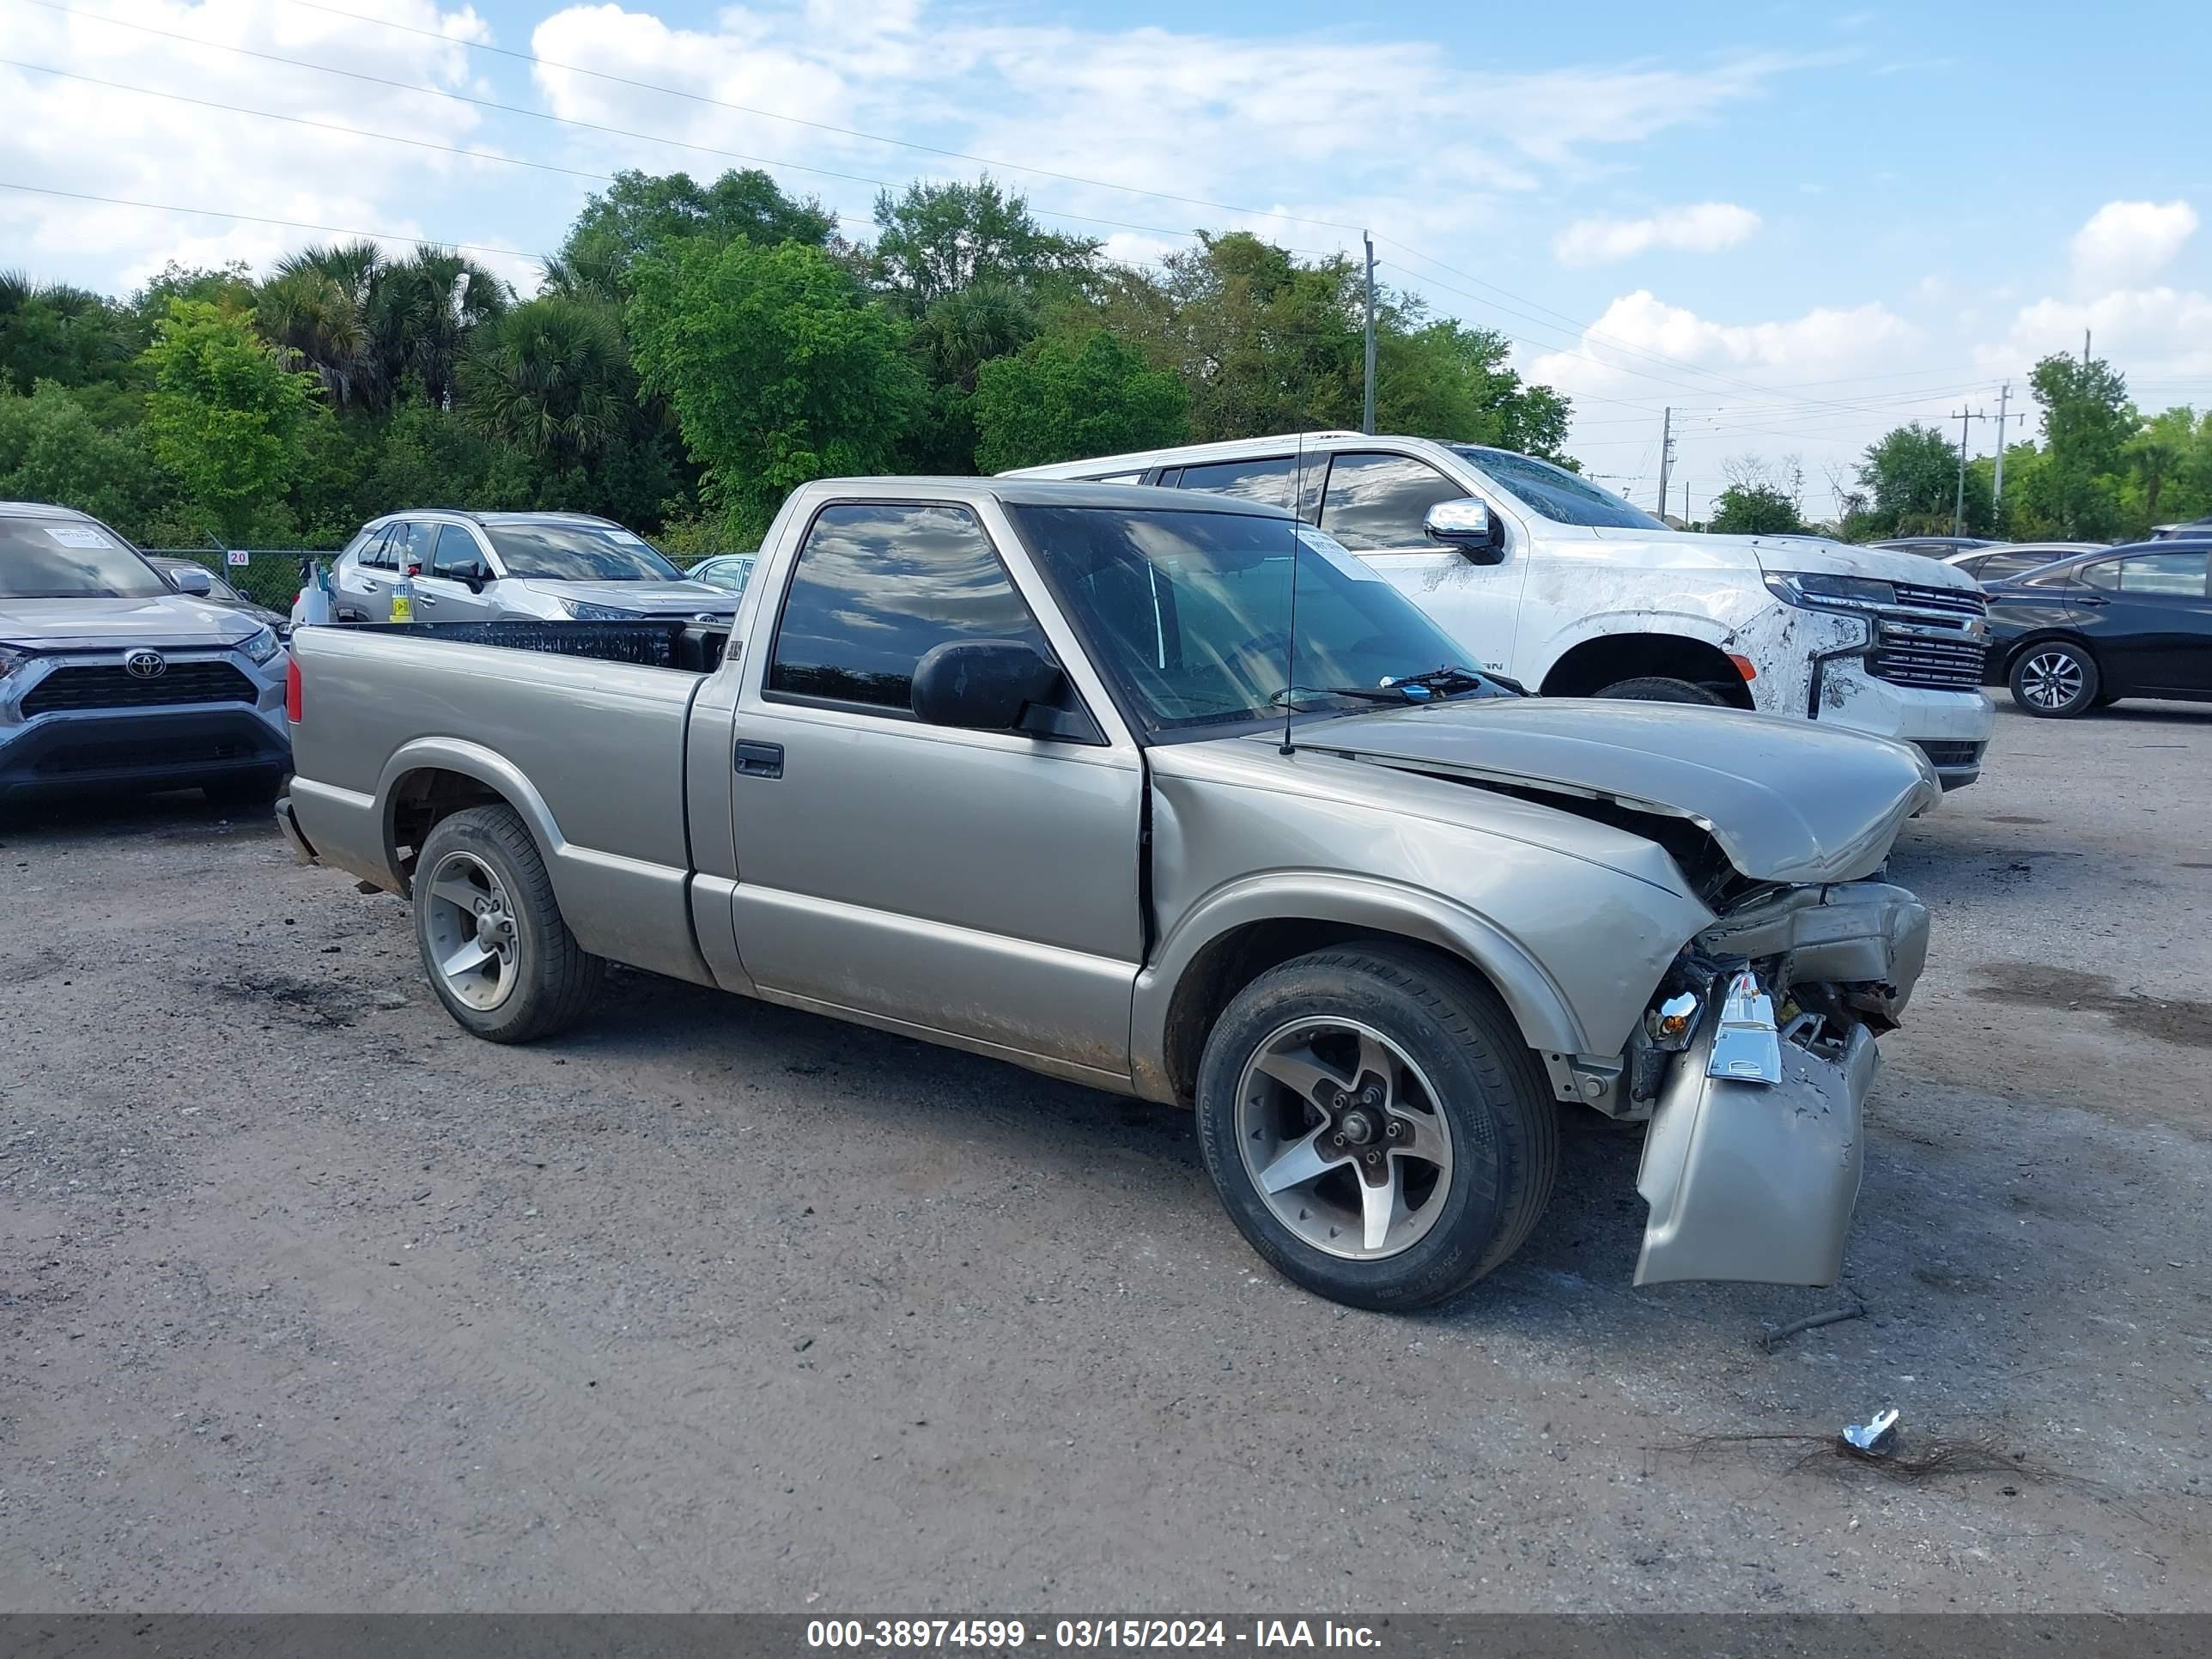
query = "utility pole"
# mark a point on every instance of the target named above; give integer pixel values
(1367, 413)
(1963, 416)
(1996, 492)
(1686, 503)
(2085, 348)
(1666, 454)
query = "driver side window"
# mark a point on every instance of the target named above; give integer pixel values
(457, 556)
(1377, 501)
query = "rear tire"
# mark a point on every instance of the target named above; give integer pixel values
(2055, 680)
(490, 933)
(1655, 688)
(1449, 1103)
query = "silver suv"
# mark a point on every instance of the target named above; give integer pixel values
(497, 567)
(112, 677)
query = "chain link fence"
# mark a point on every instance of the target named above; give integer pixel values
(268, 576)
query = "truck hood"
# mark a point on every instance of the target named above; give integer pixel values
(1786, 800)
(1804, 553)
(679, 598)
(162, 619)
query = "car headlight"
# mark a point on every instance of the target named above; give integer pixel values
(582, 610)
(1817, 591)
(11, 660)
(261, 644)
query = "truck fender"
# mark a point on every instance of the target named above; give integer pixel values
(1538, 1006)
(487, 766)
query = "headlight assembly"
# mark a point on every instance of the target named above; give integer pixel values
(11, 660)
(1815, 591)
(261, 644)
(582, 610)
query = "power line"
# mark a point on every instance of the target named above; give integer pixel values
(260, 219)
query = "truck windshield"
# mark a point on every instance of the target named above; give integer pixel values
(579, 553)
(1191, 613)
(70, 559)
(1562, 496)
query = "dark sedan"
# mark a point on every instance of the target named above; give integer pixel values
(2123, 621)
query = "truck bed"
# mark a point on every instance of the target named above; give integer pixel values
(648, 642)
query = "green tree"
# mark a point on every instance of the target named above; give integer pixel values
(2086, 421)
(1446, 379)
(53, 332)
(1755, 510)
(779, 368)
(225, 415)
(51, 449)
(1066, 395)
(1912, 477)
(640, 210)
(419, 313)
(552, 378)
(936, 240)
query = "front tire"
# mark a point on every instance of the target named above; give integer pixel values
(490, 933)
(1374, 1125)
(2055, 680)
(1656, 687)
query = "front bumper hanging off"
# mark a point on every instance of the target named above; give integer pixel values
(1756, 1181)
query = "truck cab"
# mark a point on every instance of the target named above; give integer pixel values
(1579, 593)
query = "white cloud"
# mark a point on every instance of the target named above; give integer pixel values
(2153, 333)
(100, 141)
(1206, 117)
(2125, 243)
(1697, 227)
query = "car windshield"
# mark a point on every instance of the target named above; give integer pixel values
(71, 559)
(579, 553)
(1562, 496)
(1190, 612)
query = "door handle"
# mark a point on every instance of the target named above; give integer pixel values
(2087, 600)
(426, 599)
(760, 760)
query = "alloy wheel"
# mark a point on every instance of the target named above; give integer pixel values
(1342, 1137)
(2051, 680)
(472, 931)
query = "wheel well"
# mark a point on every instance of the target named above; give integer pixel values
(1609, 659)
(2019, 648)
(1228, 964)
(422, 799)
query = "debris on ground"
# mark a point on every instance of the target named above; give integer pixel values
(1774, 1339)
(1868, 1437)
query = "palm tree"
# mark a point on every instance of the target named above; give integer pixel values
(314, 318)
(551, 376)
(421, 312)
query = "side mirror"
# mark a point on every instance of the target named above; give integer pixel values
(984, 685)
(1469, 526)
(475, 575)
(197, 583)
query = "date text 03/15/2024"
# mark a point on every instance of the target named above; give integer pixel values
(1008, 1634)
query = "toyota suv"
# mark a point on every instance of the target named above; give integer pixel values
(113, 676)
(1563, 586)
(505, 567)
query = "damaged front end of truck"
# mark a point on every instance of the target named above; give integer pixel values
(1753, 1059)
(1753, 1066)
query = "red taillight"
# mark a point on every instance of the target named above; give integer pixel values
(291, 692)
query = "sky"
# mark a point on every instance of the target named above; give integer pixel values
(1797, 225)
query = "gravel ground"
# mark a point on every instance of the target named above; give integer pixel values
(309, 1302)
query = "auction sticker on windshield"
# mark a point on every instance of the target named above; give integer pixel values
(1337, 554)
(77, 535)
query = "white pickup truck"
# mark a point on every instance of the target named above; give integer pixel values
(1577, 593)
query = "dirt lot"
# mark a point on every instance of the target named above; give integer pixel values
(308, 1301)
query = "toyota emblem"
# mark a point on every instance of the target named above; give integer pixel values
(145, 665)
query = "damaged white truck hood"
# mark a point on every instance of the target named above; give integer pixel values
(1785, 800)
(1816, 554)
